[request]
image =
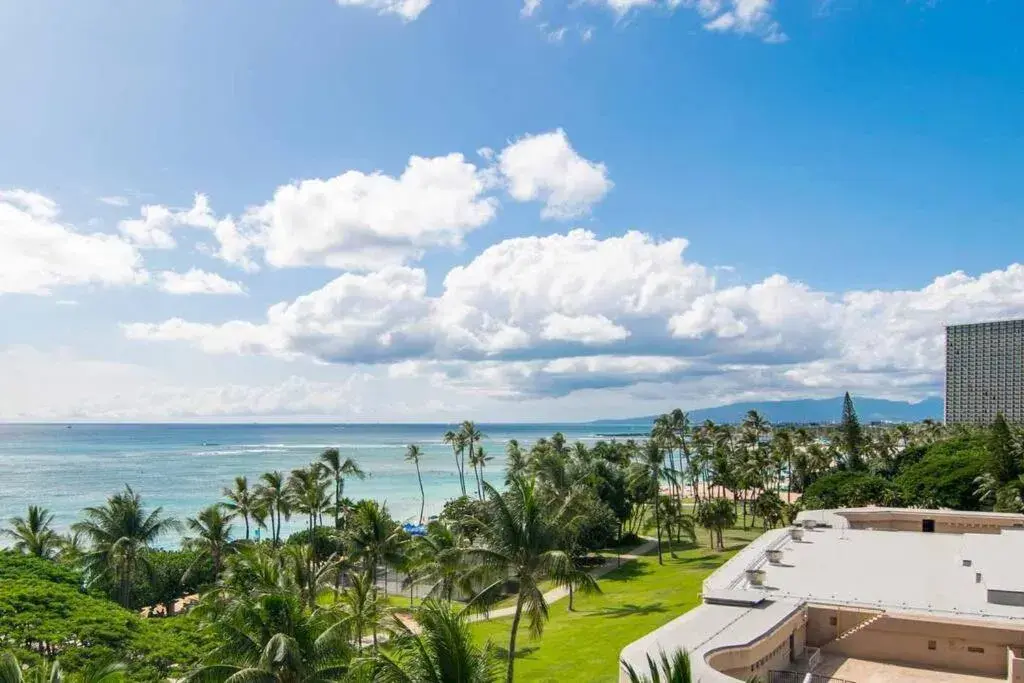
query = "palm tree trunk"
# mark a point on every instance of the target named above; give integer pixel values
(512, 638)
(423, 498)
(337, 502)
(479, 489)
(657, 527)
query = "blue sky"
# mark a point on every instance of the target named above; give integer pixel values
(825, 162)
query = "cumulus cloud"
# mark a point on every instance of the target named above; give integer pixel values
(546, 168)
(573, 312)
(155, 227)
(530, 7)
(408, 10)
(114, 200)
(197, 281)
(364, 220)
(743, 16)
(39, 254)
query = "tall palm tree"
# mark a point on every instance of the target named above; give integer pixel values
(308, 494)
(471, 437)
(273, 495)
(442, 651)
(33, 534)
(715, 516)
(212, 539)
(413, 455)
(523, 542)
(241, 501)
(273, 638)
(375, 538)
(338, 470)
(457, 441)
(479, 460)
(650, 470)
(515, 460)
(120, 534)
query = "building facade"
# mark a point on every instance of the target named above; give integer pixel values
(985, 372)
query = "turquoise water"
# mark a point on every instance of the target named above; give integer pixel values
(184, 467)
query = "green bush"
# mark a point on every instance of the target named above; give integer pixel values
(325, 541)
(944, 477)
(850, 489)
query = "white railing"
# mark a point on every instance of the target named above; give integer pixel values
(813, 658)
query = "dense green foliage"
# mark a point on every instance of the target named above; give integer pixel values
(850, 489)
(945, 476)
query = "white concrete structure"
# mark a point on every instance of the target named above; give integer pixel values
(948, 601)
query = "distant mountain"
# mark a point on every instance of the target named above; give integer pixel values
(808, 410)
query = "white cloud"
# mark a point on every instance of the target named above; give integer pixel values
(530, 7)
(197, 281)
(114, 200)
(586, 329)
(743, 16)
(546, 168)
(155, 228)
(39, 254)
(363, 221)
(572, 312)
(408, 10)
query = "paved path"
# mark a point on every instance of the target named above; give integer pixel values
(556, 594)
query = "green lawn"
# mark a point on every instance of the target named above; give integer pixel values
(637, 598)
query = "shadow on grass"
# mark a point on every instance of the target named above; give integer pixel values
(627, 572)
(501, 653)
(628, 610)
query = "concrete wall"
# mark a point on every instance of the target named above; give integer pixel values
(946, 521)
(821, 630)
(932, 644)
(764, 654)
(1015, 665)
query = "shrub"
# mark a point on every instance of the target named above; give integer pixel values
(850, 489)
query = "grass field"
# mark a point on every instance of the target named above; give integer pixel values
(637, 598)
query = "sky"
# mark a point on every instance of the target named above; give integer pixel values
(501, 210)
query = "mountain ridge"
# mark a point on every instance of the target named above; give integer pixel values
(807, 411)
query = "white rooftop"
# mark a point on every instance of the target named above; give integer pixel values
(896, 571)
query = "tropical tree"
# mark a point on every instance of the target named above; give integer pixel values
(676, 669)
(273, 638)
(442, 651)
(716, 515)
(375, 538)
(515, 460)
(11, 671)
(120, 534)
(273, 496)
(308, 494)
(523, 542)
(852, 435)
(361, 608)
(436, 562)
(212, 539)
(413, 455)
(33, 534)
(241, 501)
(647, 473)
(339, 469)
(457, 441)
(471, 437)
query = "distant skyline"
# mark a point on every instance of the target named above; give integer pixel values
(543, 211)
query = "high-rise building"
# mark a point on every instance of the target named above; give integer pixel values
(985, 372)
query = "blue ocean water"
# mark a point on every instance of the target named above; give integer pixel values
(184, 467)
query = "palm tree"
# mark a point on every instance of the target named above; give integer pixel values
(34, 534)
(522, 542)
(11, 671)
(120, 534)
(274, 497)
(674, 670)
(515, 460)
(308, 494)
(715, 516)
(442, 651)
(375, 538)
(436, 561)
(471, 437)
(361, 608)
(212, 529)
(272, 638)
(479, 460)
(241, 501)
(650, 470)
(338, 470)
(457, 442)
(413, 454)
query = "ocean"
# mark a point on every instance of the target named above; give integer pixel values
(184, 467)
